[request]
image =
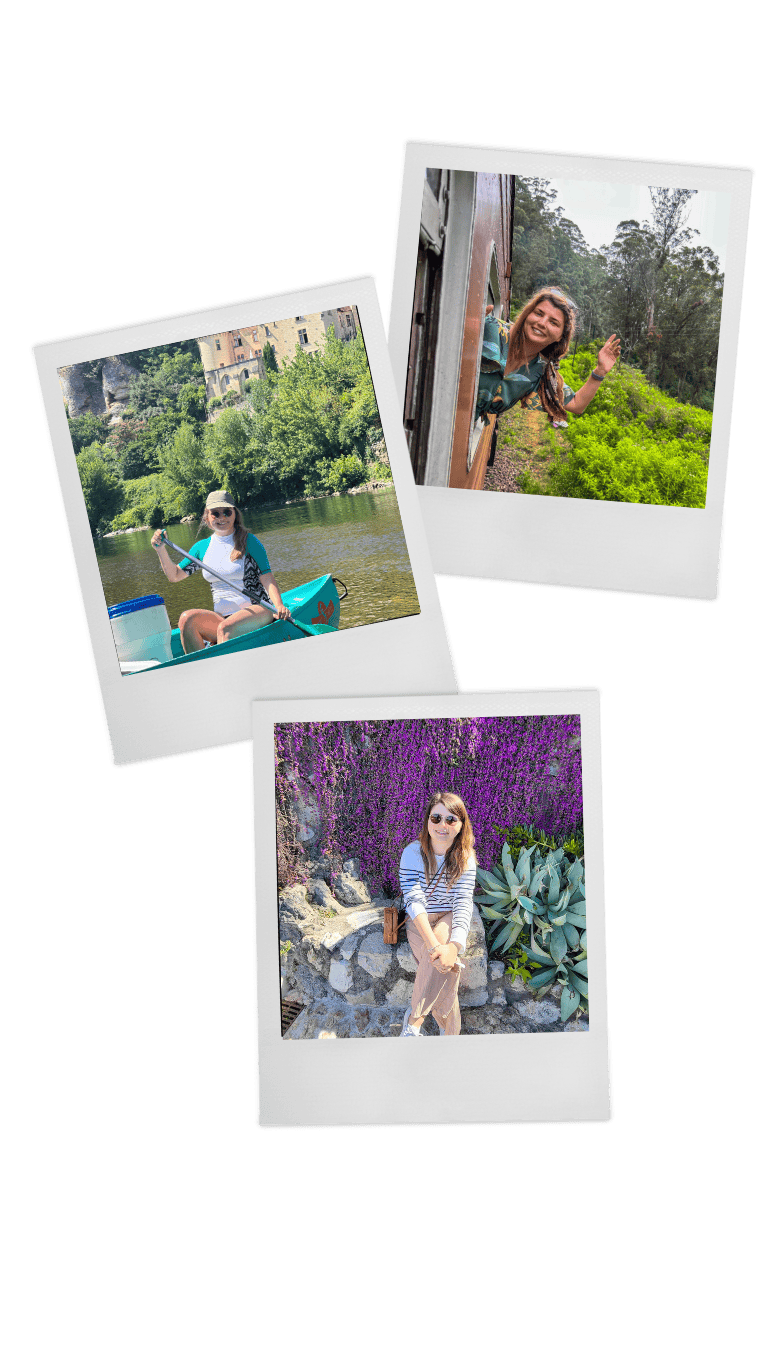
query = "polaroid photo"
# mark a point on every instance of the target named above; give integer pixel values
(423, 871)
(563, 336)
(243, 515)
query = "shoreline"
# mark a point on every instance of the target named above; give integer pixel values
(375, 486)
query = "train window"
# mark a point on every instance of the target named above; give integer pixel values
(492, 300)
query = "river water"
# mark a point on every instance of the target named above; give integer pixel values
(358, 537)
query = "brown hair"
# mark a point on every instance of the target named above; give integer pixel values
(241, 533)
(550, 388)
(457, 857)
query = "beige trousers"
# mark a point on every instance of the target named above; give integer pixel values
(434, 992)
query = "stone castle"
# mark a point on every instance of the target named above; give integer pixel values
(231, 358)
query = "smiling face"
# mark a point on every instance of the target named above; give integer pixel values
(221, 520)
(544, 325)
(442, 833)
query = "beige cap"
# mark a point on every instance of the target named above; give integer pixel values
(219, 499)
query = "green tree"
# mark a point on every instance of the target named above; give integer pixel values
(102, 489)
(229, 455)
(87, 429)
(186, 473)
(269, 358)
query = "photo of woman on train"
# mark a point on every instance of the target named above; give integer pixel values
(520, 360)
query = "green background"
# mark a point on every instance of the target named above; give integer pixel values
(171, 159)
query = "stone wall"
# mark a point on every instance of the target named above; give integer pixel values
(350, 984)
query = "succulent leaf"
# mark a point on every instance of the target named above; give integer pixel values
(558, 946)
(541, 979)
(538, 954)
(569, 1002)
(523, 870)
(572, 935)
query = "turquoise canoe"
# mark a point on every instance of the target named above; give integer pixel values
(315, 605)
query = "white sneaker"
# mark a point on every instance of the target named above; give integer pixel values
(408, 1031)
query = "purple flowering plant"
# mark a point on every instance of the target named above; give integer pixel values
(366, 785)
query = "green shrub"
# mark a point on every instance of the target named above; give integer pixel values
(518, 836)
(634, 444)
(378, 470)
(215, 402)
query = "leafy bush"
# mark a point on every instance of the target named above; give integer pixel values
(379, 471)
(215, 402)
(86, 430)
(634, 444)
(345, 472)
(517, 837)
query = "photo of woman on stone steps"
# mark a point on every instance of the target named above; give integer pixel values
(406, 910)
(437, 878)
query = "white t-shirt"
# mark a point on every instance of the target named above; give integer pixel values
(216, 553)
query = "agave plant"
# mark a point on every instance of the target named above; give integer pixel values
(545, 891)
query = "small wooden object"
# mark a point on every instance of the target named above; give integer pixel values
(391, 924)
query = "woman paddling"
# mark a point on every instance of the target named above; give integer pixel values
(234, 553)
(437, 877)
(521, 359)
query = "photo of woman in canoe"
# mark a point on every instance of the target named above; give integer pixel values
(437, 878)
(520, 360)
(236, 555)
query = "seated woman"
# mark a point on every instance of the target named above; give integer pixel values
(520, 360)
(437, 877)
(234, 553)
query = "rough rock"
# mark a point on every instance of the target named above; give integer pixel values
(537, 1011)
(352, 867)
(406, 959)
(374, 956)
(99, 388)
(575, 1026)
(340, 975)
(400, 994)
(116, 378)
(350, 891)
(320, 894)
(320, 866)
(357, 919)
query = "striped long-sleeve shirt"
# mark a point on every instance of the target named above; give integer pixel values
(440, 897)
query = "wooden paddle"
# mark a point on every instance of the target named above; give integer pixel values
(307, 630)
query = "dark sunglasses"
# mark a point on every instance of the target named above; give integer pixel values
(449, 820)
(223, 512)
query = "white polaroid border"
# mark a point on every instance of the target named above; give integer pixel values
(578, 542)
(207, 703)
(507, 1077)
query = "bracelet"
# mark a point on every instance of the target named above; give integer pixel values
(597, 377)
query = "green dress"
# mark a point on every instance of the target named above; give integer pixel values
(495, 394)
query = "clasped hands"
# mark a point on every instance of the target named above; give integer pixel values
(444, 957)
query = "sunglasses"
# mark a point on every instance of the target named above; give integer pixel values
(223, 512)
(449, 820)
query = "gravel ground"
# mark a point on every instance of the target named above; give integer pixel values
(527, 453)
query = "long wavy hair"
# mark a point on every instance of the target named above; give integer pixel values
(241, 533)
(459, 853)
(550, 388)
